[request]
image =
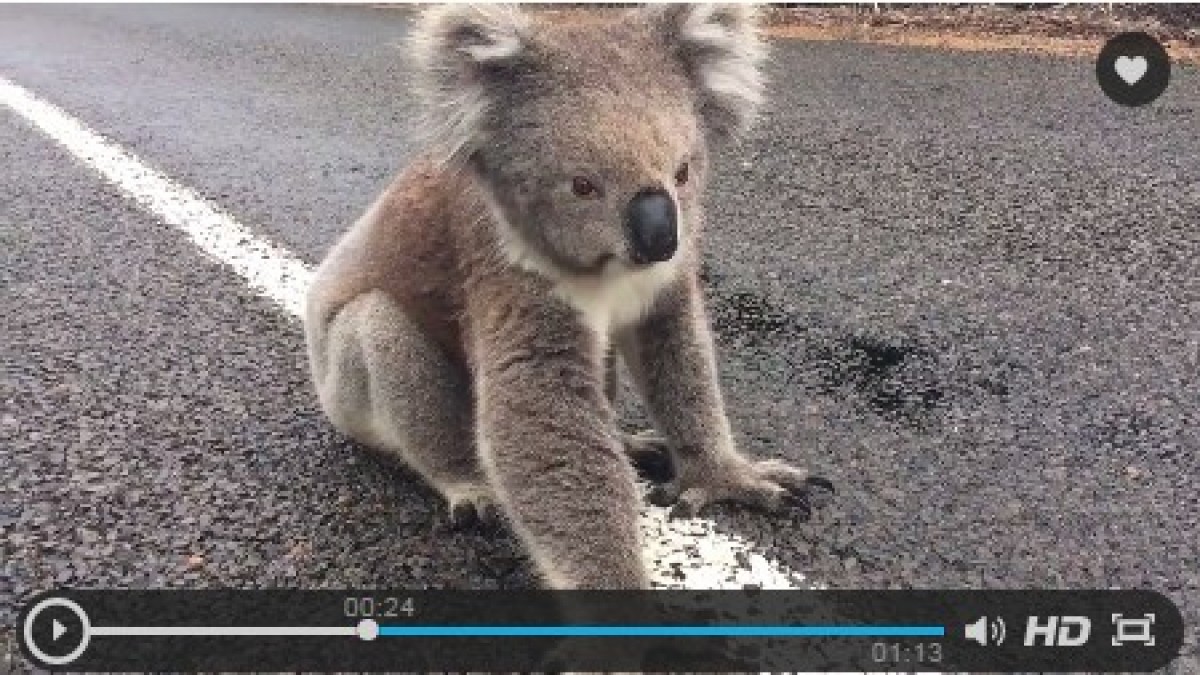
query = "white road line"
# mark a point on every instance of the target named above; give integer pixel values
(682, 553)
(270, 270)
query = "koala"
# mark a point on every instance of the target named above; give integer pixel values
(464, 322)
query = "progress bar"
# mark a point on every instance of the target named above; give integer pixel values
(230, 631)
(369, 630)
(663, 631)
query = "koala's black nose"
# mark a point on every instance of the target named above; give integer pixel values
(650, 218)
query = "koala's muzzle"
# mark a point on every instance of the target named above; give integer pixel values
(650, 219)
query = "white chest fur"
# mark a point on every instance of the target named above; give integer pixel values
(614, 300)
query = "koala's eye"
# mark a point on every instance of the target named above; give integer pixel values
(584, 188)
(681, 175)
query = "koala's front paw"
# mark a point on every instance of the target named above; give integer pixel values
(771, 485)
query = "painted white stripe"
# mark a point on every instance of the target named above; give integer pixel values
(682, 553)
(269, 269)
(191, 631)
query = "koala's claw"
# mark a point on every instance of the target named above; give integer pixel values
(474, 511)
(770, 485)
(821, 482)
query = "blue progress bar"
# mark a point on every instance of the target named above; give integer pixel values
(662, 631)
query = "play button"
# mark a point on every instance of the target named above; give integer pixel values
(56, 631)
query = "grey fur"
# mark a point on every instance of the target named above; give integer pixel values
(463, 322)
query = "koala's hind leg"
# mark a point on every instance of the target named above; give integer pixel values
(386, 384)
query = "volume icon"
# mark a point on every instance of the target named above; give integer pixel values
(986, 632)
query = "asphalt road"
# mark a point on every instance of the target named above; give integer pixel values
(964, 286)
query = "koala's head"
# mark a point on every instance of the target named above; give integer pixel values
(591, 137)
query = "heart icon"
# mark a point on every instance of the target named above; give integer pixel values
(1131, 69)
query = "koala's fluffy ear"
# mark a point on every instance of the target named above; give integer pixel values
(457, 51)
(723, 52)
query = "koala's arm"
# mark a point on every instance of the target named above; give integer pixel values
(549, 444)
(671, 357)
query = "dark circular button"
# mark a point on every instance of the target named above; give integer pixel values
(1133, 69)
(56, 631)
